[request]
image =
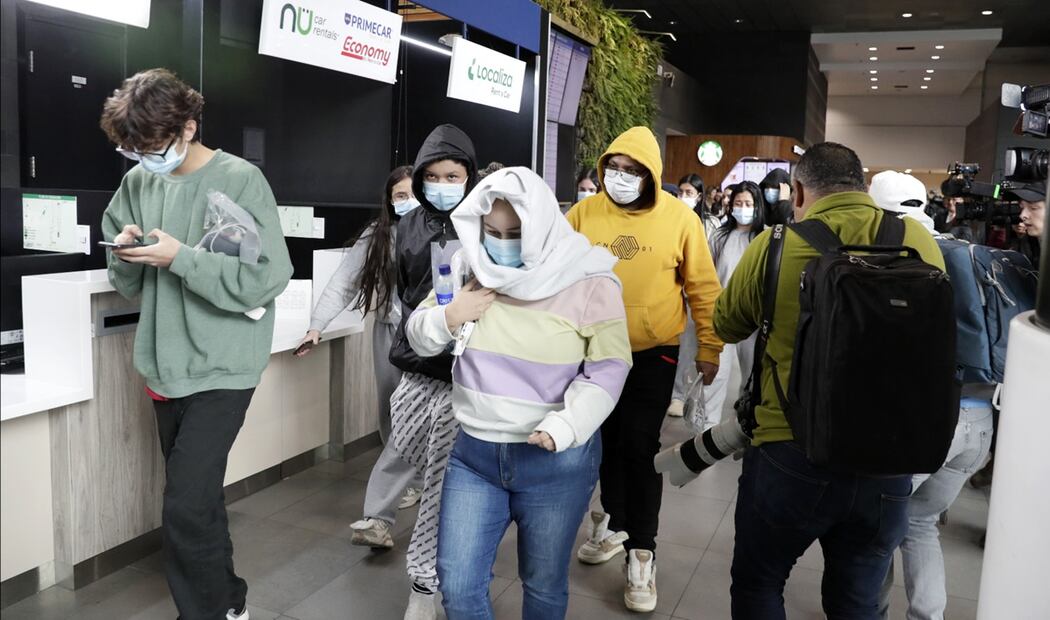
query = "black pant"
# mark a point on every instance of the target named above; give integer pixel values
(196, 434)
(786, 503)
(631, 488)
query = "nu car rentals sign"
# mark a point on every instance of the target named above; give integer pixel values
(485, 76)
(344, 35)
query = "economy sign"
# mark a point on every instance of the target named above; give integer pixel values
(485, 76)
(344, 35)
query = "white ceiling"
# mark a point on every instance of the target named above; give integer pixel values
(845, 60)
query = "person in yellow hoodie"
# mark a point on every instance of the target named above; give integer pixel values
(663, 253)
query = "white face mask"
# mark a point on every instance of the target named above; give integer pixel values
(402, 207)
(622, 187)
(744, 215)
(583, 193)
(690, 201)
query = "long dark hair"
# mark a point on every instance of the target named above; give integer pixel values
(721, 235)
(698, 185)
(378, 276)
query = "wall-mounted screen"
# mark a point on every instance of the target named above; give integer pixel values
(567, 70)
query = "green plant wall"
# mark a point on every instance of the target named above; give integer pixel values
(617, 93)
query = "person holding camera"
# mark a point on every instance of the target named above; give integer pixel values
(1032, 197)
(786, 501)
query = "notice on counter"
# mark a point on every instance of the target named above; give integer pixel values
(296, 297)
(297, 221)
(343, 35)
(49, 223)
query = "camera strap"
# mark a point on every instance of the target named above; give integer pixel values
(746, 415)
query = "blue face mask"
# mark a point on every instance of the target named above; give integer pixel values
(444, 196)
(772, 195)
(505, 252)
(171, 161)
(403, 207)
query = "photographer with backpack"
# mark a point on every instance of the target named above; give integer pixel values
(847, 302)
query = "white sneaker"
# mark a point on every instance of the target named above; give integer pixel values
(420, 607)
(233, 615)
(640, 592)
(410, 498)
(677, 409)
(602, 545)
(373, 533)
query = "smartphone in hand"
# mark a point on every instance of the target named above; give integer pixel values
(121, 246)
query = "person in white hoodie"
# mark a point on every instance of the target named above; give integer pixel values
(542, 353)
(901, 193)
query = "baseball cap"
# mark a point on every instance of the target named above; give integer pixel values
(891, 189)
(1029, 192)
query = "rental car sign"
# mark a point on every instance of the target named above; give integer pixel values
(344, 35)
(485, 76)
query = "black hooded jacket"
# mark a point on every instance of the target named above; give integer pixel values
(415, 232)
(780, 212)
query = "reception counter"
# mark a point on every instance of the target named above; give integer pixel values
(82, 474)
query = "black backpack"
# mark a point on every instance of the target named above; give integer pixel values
(872, 388)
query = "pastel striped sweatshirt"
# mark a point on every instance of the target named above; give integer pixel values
(556, 365)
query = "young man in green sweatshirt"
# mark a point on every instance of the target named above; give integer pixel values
(201, 355)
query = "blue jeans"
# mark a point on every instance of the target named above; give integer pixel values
(488, 485)
(786, 503)
(933, 494)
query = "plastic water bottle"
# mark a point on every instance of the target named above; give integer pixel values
(443, 286)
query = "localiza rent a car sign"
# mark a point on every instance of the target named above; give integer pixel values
(344, 35)
(485, 76)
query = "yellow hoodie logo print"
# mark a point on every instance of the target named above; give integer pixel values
(625, 247)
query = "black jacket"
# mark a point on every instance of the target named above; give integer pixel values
(780, 212)
(415, 232)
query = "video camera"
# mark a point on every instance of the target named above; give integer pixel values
(1026, 164)
(980, 201)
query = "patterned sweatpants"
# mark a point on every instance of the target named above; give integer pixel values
(423, 432)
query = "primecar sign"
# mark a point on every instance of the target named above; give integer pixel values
(344, 35)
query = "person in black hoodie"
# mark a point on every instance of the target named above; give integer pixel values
(776, 191)
(423, 428)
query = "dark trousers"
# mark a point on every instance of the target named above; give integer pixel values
(196, 434)
(631, 488)
(785, 503)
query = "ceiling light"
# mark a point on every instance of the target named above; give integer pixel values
(873, 49)
(873, 71)
(986, 13)
(907, 171)
(874, 79)
(874, 87)
(938, 47)
(905, 15)
(924, 87)
(927, 79)
(866, 170)
(738, 21)
(642, 11)
(665, 34)
(935, 57)
(929, 71)
(873, 57)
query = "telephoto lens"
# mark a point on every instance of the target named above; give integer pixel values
(685, 461)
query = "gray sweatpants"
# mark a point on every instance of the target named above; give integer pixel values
(424, 431)
(391, 474)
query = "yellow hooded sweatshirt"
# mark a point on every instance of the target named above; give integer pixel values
(663, 252)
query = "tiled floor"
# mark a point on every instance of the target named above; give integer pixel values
(292, 545)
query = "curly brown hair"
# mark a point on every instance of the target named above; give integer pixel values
(148, 108)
